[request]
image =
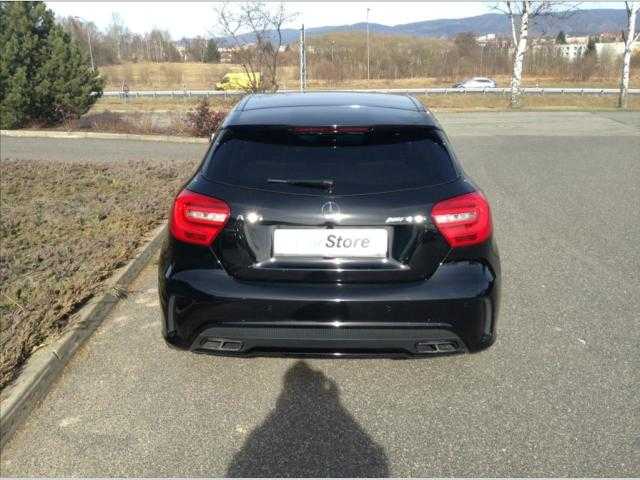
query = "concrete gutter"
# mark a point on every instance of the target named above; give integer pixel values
(101, 136)
(22, 395)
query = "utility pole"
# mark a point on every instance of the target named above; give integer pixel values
(93, 68)
(303, 62)
(368, 56)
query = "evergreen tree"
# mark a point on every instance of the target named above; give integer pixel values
(212, 54)
(591, 46)
(561, 39)
(44, 76)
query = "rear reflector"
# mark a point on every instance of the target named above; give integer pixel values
(463, 220)
(197, 219)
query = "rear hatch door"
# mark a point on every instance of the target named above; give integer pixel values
(322, 204)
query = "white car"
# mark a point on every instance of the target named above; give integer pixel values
(476, 82)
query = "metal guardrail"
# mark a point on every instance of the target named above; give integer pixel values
(404, 91)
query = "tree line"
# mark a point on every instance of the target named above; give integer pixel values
(342, 56)
(338, 57)
(117, 44)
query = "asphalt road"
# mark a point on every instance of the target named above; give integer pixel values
(558, 395)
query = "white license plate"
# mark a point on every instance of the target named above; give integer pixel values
(331, 243)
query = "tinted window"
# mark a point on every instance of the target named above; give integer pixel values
(361, 160)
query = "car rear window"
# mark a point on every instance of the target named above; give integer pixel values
(357, 159)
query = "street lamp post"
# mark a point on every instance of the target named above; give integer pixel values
(303, 61)
(368, 56)
(93, 68)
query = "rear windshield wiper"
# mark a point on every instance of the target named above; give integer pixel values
(324, 184)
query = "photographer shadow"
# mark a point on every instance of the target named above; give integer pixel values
(309, 434)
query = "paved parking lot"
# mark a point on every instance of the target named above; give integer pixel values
(558, 395)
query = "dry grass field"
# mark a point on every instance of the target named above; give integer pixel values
(65, 228)
(204, 76)
(289, 80)
(165, 76)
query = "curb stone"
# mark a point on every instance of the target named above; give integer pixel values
(22, 395)
(101, 136)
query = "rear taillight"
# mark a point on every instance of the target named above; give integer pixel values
(197, 219)
(463, 220)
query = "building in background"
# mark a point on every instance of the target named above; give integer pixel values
(606, 37)
(572, 51)
(578, 40)
(614, 49)
(226, 54)
(182, 48)
(485, 39)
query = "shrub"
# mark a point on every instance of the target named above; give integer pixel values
(44, 76)
(202, 120)
(107, 121)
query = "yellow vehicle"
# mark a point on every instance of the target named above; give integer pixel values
(237, 81)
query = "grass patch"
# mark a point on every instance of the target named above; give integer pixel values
(194, 122)
(159, 104)
(138, 122)
(65, 228)
(451, 102)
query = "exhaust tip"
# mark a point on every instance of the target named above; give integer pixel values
(221, 345)
(437, 347)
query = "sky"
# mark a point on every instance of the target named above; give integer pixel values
(188, 19)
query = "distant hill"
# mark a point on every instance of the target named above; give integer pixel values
(580, 22)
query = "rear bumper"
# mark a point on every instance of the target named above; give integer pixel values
(322, 341)
(209, 311)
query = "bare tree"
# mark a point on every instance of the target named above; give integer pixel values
(630, 36)
(522, 15)
(254, 30)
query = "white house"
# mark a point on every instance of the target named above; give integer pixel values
(571, 51)
(614, 49)
(489, 37)
(580, 40)
(182, 50)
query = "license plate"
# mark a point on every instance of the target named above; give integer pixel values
(331, 243)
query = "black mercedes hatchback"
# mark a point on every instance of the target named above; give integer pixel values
(330, 224)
